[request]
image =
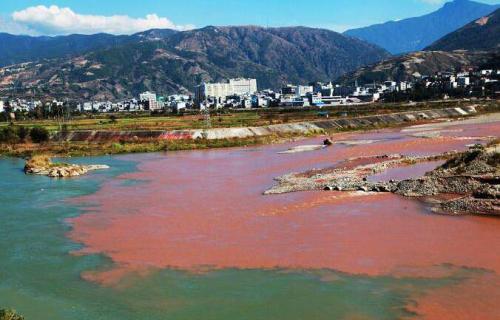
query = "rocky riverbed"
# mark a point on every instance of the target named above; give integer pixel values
(467, 183)
(42, 165)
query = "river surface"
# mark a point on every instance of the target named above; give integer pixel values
(189, 235)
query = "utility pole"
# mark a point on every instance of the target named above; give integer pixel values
(206, 116)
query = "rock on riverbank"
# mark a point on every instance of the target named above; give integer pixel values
(42, 165)
(350, 176)
(468, 183)
(471, 178)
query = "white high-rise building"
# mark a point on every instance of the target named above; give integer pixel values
(242, 86)
(221, 90)
(217, 90)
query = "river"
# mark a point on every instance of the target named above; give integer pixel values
(189, 235)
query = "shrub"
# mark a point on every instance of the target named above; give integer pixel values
(117, 146)
(10, 315)
(39, 135)
(9, 135)
(38, 161)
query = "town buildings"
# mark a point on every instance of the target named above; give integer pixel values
(242, 93)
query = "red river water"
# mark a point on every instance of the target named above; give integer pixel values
(204, 210)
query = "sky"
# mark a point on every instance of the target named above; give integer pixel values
(57, 17)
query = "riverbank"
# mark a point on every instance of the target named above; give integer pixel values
(86, 143)
(86, 148)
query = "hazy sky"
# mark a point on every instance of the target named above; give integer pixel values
(129, 16)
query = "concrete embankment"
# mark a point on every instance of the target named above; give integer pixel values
(292, 128)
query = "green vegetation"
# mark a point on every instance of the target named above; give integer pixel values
(12, 134)
(6, 314)
(39, 135)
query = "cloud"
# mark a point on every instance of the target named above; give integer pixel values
(9, 26)
(54, 20)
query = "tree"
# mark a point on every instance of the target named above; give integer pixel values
(7, 110)
(39, 135)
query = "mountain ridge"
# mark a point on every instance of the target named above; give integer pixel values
(177, 61)
(481, 34)
(416, 33)
(413, 66)
(21, 48)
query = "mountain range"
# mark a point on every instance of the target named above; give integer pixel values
(475, 45)
(481, 34)
(414, 65)
(417, 33)
(104, 66)
(169, 61)
(20, 48)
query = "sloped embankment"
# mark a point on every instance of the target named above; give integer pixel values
(292, 128)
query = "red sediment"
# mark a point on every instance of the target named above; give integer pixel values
(204, 209)
(473, 299)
